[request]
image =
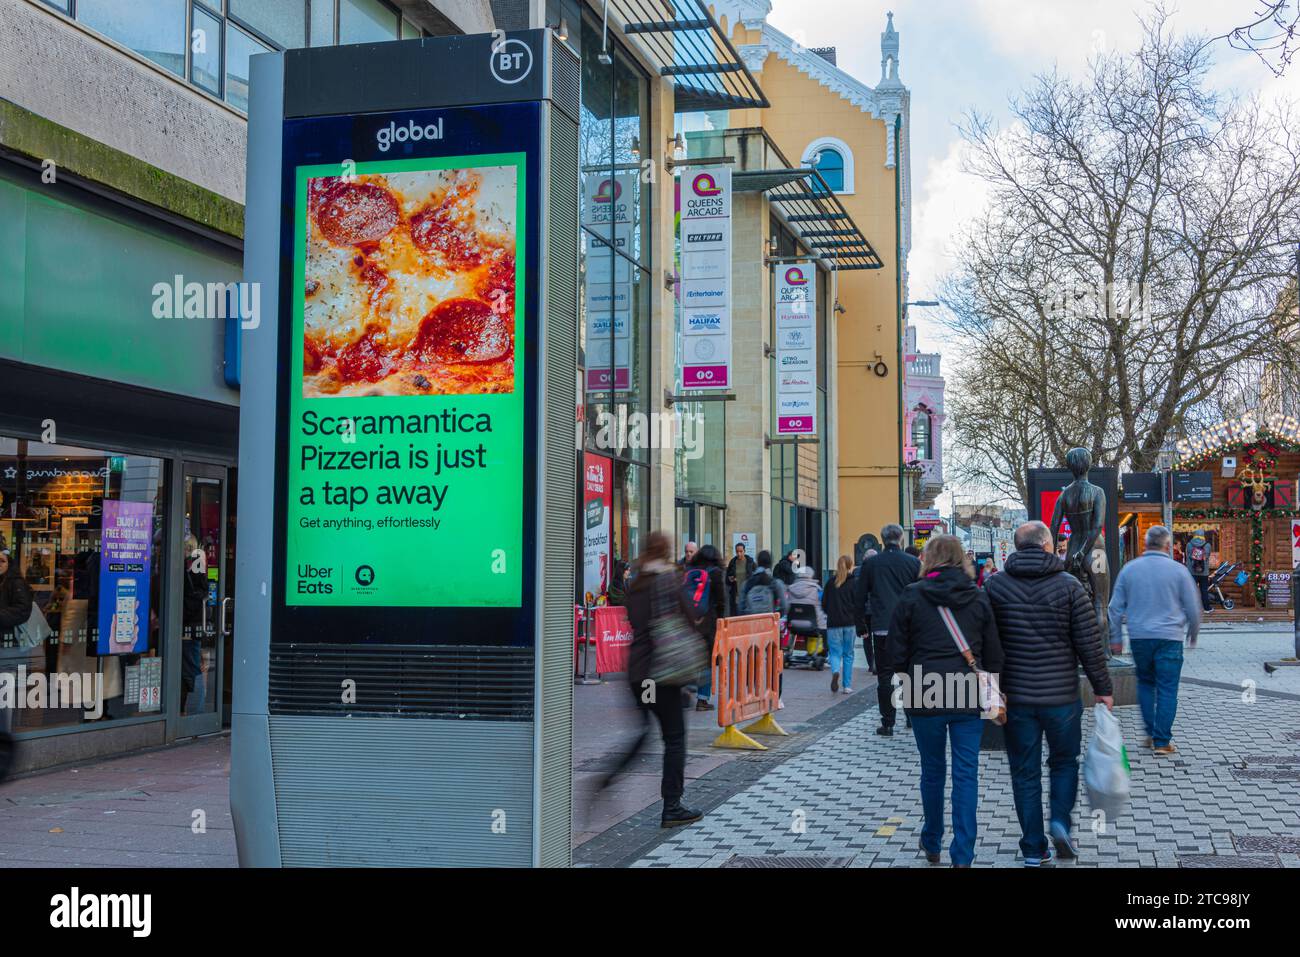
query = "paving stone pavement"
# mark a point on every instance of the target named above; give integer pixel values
(854, 794)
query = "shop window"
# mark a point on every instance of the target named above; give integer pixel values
(366, 21)
(322, 23)
(283, 22)
(205, 51)
(155, 30)
(83, 529)
(239, 47)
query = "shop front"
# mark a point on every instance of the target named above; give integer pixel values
(118, 438)
(1236, 484)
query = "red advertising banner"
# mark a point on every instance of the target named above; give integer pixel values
(613, 634)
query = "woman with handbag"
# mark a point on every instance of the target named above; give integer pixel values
(15, 609)
(943, 644)
(667, 653)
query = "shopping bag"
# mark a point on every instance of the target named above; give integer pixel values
(34, 630)
(1105, 768)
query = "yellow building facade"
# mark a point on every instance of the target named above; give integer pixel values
(857, 135)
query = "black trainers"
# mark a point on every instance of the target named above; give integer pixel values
(677, 814)
(703, 705)
(835, 682)
(885, 730)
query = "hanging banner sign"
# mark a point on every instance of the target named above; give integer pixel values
(124, 558)
(796, 349)
(706, 278)
(608, 204)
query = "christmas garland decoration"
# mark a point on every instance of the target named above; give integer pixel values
(1261, 452)
(1256, 535)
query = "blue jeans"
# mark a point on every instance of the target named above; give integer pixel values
(1159, 664)
(1026, 727)
(841, 652)
(933, 731)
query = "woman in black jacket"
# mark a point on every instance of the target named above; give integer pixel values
(709, 559)
(655, 595)
(934, 618)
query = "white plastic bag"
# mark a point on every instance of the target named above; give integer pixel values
(1105, 768)
(34, 630)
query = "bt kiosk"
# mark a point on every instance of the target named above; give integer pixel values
(403, 690)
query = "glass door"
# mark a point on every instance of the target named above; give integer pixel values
(207, 614)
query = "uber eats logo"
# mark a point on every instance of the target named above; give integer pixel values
(316, 579)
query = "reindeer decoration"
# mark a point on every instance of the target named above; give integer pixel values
(1254, 480)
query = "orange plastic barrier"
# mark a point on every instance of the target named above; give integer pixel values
(746, 666)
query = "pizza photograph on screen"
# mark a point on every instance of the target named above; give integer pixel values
(409, 283)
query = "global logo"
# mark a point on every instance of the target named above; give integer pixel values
(795, 277)
(608, 191)
(365, 576)
(705, 185)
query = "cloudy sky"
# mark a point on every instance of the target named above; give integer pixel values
(961, 54)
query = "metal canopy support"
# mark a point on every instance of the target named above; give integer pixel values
(684, 39)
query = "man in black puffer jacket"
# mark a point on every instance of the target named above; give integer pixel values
(1047, 627)
(881, 581)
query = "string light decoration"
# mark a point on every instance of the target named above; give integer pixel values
(1260, 453)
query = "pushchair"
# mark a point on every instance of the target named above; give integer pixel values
(1215, 589)
(802, 643)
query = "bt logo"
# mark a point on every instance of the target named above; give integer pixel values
(510, 60)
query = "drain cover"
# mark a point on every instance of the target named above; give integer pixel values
(1267, 843)
(779, 860)
(1271, 759)
(1266, 774)
(1228, 860)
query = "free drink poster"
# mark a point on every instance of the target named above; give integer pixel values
(124, 578)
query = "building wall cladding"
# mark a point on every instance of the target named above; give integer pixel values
(70, 76)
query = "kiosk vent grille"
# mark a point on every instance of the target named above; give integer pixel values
(480, 682)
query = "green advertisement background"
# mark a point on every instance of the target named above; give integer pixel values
(459, 564)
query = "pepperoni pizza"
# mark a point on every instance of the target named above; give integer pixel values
(410, 284)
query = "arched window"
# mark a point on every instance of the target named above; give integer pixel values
(830, 164)
(921, 435)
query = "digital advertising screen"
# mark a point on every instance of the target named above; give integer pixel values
(407, 463)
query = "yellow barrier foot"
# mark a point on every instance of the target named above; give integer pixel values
(733, 737)
(766, 725)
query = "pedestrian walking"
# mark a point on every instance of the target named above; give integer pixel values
(739, 569)
(688, 553)
(1197, 560)
(1156, 597)
(785, 569)
(864, 600)
(15, 609)
(1048, 629)
(708, 603)
(618, 584)
(843, 618)
(762, 592)
(658, 616)
(932, 620)
(884, 577)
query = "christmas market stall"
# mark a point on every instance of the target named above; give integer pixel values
(1237, 483)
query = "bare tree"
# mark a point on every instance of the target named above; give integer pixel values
(1271, 33)
(1126, 273)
